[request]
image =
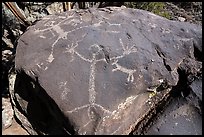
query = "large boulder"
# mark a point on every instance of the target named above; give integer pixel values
(90, 71)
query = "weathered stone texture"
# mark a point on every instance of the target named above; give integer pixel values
(93, 67)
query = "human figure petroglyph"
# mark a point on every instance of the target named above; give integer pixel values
(95, 49)
(93, 61)
(92, 93)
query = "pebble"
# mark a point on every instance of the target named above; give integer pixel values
(7, 113)
(181, 19)
(6, 52)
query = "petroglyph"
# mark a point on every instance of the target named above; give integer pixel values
(127, 50)
(105, 20)
(104, 17)
(127, 102)
(92, 92)
(113, 77)
(62, 17)
(50, 23)
(62, 35)
(88, 105)
(42, 66)
(30, 72)
(93, 61)
(95, 49)
(152, 25)
(119, 112)
(122, 106)
(102, 108)
(113, 24)
(62, 84)
(38, 65)
(43, 37)
(116, 130)
(115, 114)
(130, 72)
(91, 113)
(165, 30)
(65, 89)
(58, 30)
(83, 133)
(78, 108)
(108, 31)
(186, 39)
(112, 31)
(98, 23)
(72, 51)
(82, 57)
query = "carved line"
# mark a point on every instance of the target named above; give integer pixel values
(85, 126)
(62, 85)
(115, 113)
(78, 108)
(92, 92)
(93, 61)
(125, 70)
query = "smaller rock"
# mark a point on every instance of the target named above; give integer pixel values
(6, 55)
(196, 87)
(14, 129)
(7, 52)
(7, 113)
(56, 7)
(8, 42)
(181, 19)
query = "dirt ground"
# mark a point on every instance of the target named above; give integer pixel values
(14, 129)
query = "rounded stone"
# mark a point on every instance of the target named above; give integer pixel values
(97, 64)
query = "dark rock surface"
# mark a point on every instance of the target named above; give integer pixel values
(179, 118)
(88, 72)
